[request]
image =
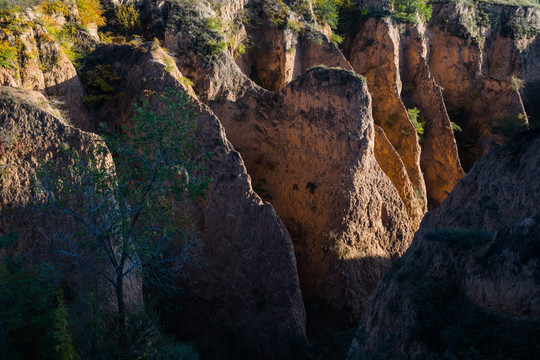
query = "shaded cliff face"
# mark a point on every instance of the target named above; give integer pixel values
(246, 294)
(32, 132)
(471, 276)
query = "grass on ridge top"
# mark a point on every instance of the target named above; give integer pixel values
(506, 2)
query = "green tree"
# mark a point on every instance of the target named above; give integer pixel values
(123, 218)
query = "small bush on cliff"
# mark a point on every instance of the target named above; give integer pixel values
(327, 11)
(516, 84)
(90, 12)
(410, 11)
(101, 84)
(54, 7)
(416, 120)
(8, 55)
(128, 18)
(208, 40)
(19, 4)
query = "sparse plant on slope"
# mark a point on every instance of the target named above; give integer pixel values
(100, 84)
(19, 4)
(455, 127)
(8, 55)
(64, 348)
(277, 11)
(516, 83)
(416, 120)
(78, 15)
(54, 7)
(509, 125)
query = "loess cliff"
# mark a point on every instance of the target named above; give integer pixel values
(327, 163)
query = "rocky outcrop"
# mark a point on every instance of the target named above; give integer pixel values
(309, 149)
(475, 102)
(277, 45)
(471, 277)
(394, 59)
(507, 37)
(40, 62)
(247, 293)
(375, 54)
(32, 132)
(439, 159)
(467, 66)
(392, 165)
(283, 54)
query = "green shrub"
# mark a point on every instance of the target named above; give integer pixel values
(455, 127)
(336, 39)
(208, 40)
(170, 66)
(327, 11)
(66, 37)
(8, 55)
(90, 12)
(128, 18)
(416, 120)
(18, 4)
(516, 83)
(64, 348)
(54, 7)
(483, 18)
(100, 84)
(277, 11)
(409, 11)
